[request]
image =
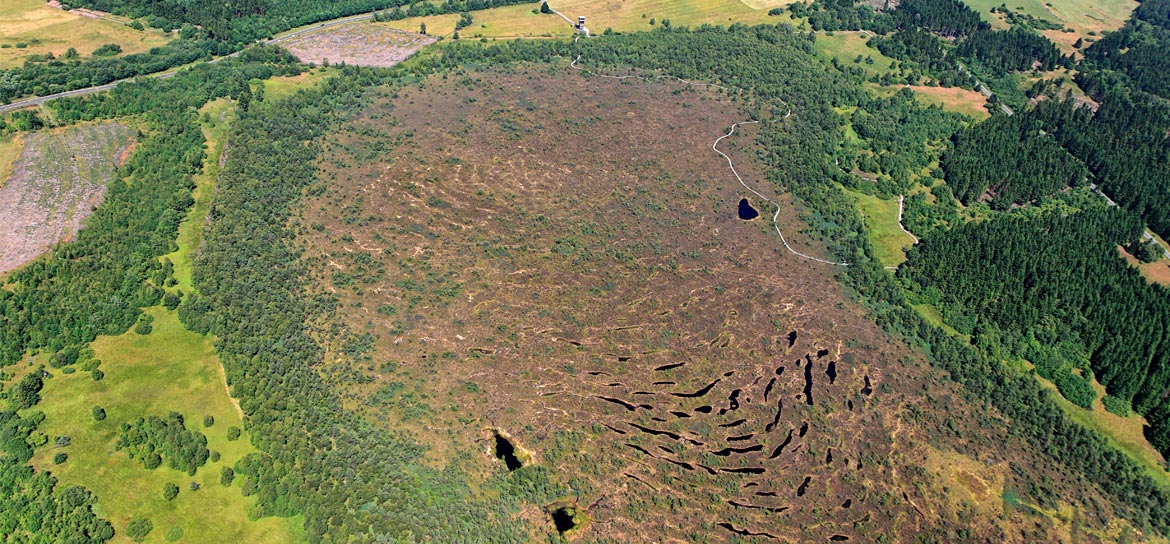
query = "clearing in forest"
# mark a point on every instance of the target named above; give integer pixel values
(846, 47)
(56, 183)
(170, 369)
(528, 270)
(359, 44)
(959, 100)
(43, 29)
(889, 241)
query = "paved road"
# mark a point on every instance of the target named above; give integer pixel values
(21, 104)
(979, 86)
(1146, 234)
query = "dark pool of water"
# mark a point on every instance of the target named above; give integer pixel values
(746, 211)
(563, 519)
(507, 453)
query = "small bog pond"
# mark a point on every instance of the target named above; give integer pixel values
(564, 519)
(506, 452)
(746, 211)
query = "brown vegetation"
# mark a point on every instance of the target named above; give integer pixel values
(56, 183)
(359, 44)
(557, 259)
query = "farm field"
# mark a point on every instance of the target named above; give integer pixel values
(170, 369)
(58, 178)
(542, 277)
(518, 21)
(1083, 16)
(49, 30)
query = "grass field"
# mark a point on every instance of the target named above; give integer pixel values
(10, 147)
(887, 238)
(171, 369)
(46, 30)
(1156, 272)
(958, 100)
(622, 16)
(1081, 15)
(846, 46)
(220, 114)
(282, 87)
(1123, 433)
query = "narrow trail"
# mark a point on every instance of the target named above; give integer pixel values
(901, 204)
(715, 147)
(775, 216)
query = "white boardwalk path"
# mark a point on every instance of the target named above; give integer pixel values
(715, 147)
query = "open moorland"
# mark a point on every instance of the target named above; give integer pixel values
(531, 278)
(57, 181)
(31, 27)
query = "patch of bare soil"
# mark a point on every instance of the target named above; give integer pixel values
(359, 44)
(56, 183)
(557, 259)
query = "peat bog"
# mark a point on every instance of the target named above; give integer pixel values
(521, 250)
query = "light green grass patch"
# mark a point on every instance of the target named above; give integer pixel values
(220, 114)
(881, 219)
(847, 46)
(1123, 433)
(935, 317)
(171, 369)
(276, 88)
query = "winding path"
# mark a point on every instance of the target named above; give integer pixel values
(715, 147)
(775, 216)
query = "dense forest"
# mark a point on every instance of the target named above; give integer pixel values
(944, 41)
(900, 138)
(1013, 159)
(1037, 282)
(1138, 50)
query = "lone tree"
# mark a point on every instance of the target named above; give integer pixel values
(544, 8)
(422, 29)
